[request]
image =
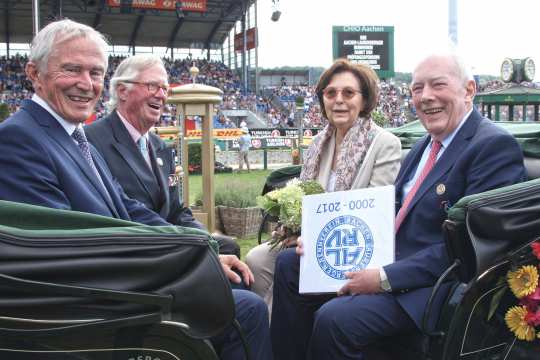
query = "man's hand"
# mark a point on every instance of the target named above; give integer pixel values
(362, 282)
(229, 262)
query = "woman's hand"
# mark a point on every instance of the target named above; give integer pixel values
(299, 247)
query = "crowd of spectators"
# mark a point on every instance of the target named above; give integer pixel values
(394, 102)
(14, 87)
(275, 104)
(491, 85)
(496, 84)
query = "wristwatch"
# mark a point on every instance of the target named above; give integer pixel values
(385, 284)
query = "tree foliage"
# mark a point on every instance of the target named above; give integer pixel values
(4, 111)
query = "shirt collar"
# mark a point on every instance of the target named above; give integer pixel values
(69, 127)
(134, 133)
(448, 140)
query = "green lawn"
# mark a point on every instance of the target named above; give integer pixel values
(249, 185)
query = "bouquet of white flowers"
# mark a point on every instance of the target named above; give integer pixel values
(286, 205)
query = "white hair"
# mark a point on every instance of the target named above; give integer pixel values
(57, 32)
(128, 70)
(449, 50)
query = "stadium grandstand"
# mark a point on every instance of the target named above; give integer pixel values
(204, 33)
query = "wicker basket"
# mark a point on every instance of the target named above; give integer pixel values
(240, 222)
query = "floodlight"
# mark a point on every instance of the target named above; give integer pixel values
(275, 15)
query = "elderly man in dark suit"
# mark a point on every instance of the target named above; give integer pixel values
(139, 159)
(462, 154)
(46, 160)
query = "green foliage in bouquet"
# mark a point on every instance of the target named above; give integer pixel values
(286, 204)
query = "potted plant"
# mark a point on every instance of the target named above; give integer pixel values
(236, 210)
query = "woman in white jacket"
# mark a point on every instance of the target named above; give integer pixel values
(351, 152)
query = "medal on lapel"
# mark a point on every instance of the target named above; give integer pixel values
(441, 189)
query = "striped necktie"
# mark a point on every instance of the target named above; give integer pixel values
(80, 138)
(435, 148)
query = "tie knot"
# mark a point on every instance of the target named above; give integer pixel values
(436, 147)
(79, 136)
(143, 143)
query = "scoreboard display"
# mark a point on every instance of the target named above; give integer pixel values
(370, 45)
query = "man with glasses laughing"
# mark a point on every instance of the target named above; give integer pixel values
(143, 165)
(139, 160)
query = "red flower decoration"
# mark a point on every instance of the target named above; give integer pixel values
(533, 318)
(536, 249)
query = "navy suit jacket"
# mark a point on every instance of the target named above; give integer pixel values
(482, 156)
(42, 165)
(150, 186)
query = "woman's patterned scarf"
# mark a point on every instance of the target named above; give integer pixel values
(352, 152)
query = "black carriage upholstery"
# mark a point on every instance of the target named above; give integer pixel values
(82, 286)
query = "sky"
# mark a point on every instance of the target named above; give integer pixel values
(488, 30)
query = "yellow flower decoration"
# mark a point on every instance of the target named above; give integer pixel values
(523, 281)
(515, 320)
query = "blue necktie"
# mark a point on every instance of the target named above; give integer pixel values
(143, 148)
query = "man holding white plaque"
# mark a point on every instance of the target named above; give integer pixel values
(345, 231)
(462, 154)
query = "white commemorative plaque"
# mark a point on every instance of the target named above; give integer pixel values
(345, 231)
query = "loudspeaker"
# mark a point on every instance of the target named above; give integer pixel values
(275, 15)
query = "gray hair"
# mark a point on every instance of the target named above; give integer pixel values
(128, 70)
(59, 31)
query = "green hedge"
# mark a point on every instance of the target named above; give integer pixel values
(234, 193)
(4, 111)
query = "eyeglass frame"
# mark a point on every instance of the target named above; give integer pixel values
(165, 88)
(340, 90)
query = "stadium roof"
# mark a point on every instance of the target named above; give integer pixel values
(130, 27)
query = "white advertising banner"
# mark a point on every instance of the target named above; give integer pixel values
(345, 231)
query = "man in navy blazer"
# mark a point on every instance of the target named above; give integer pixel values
(152, 184)
(46, 160)
(147, 175)
(475, 155)
(41, 163)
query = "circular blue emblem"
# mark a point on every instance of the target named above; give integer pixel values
(344, 244)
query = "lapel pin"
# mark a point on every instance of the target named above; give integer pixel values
(159, 161)
(441, 189)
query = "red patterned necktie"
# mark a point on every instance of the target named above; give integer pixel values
(435, 148)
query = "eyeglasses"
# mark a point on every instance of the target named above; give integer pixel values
(347, 93)
(152, 86)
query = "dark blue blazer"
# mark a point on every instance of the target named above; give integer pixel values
(42, 165)
(482, 156)
(153, 187)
